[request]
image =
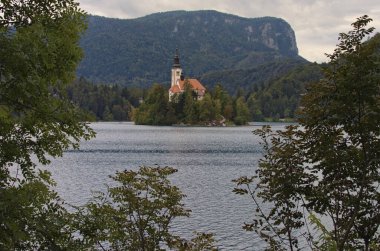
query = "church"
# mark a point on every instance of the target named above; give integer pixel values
(178, 81)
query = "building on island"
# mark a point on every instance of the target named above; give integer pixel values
(178, 81)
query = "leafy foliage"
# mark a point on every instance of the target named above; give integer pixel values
(341, 116)
(33, 218)
(137, 214)
(329, 166)
(201, 241)
(38, 56)
(324, 241)
(37, 60)
(280, 181)
(23, 13)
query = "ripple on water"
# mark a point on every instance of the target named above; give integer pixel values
(207, 160)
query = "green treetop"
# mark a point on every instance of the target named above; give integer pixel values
(38, 56)
(328, 170)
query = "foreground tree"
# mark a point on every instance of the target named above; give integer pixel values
(341, 116)
(331, 166)
(33, 217)
(280, 182)
(38, 57)
(138, 213)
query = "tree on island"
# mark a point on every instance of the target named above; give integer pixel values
(215, 108)
(327, 169)
(155, 110)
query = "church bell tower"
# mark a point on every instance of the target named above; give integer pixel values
(176, 70)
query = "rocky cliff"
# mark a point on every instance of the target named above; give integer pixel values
(140, 51)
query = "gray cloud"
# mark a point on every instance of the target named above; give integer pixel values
(316, 23)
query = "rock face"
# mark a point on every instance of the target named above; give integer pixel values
(140, 51)
(271, 37)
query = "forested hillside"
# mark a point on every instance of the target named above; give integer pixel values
(280, 97)
(275, 99)
(139, 51)
(252, 79)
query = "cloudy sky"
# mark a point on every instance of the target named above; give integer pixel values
(316, 23)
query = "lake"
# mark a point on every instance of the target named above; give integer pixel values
(207, 159)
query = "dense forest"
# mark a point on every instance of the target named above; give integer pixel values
(252, 78)
(104, 102)
(272, 100)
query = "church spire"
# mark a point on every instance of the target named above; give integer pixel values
(176, 60)
(176, 70)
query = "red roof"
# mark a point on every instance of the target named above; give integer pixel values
(194, 83)
(175, 89)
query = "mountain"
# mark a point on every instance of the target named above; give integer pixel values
(140, 51)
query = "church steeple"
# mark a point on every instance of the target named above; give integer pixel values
(176, 60)
(176, 70)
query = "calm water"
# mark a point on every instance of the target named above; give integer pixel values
(207, 160)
